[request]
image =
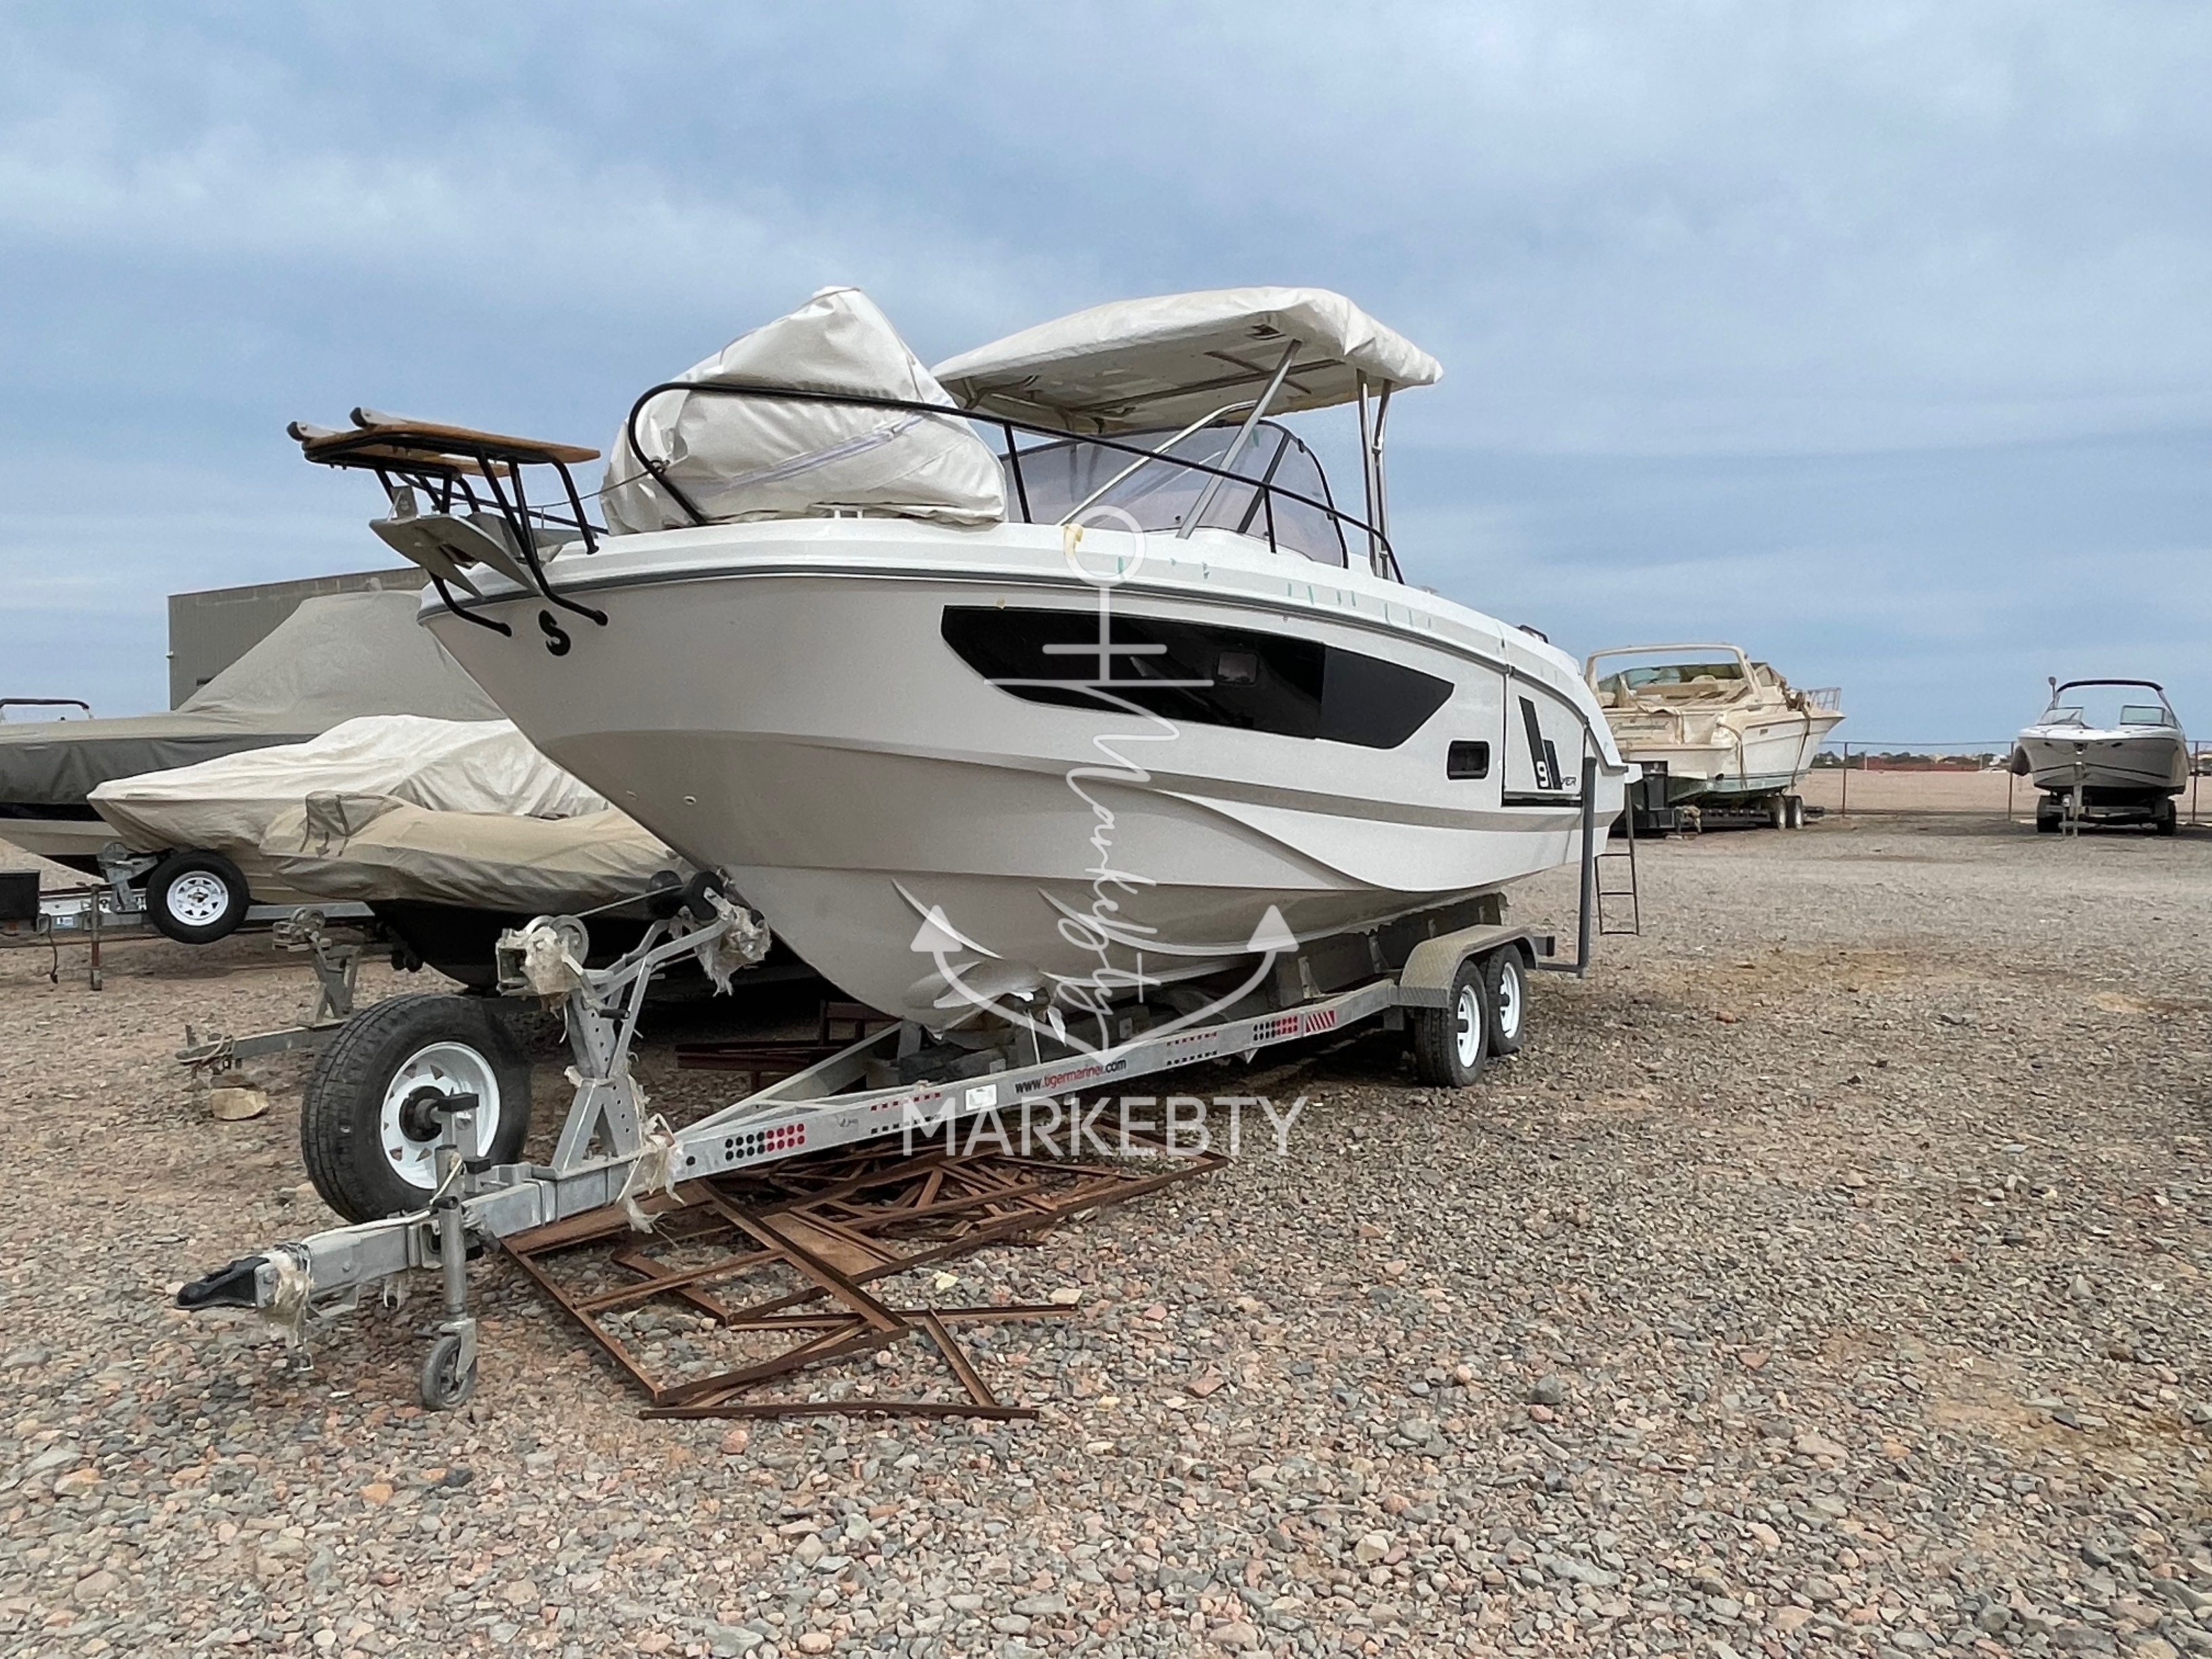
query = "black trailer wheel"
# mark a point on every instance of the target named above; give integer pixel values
(444, 1383)
(2047, 816)
(196, 899)
(366, 1133)
(1452, 1043)
(2168, 821)
(1505, 995)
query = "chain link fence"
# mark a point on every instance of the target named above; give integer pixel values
(1854, 776)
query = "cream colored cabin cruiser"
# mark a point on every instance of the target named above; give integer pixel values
(1713, 729)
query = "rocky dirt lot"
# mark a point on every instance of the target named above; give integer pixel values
(1827, 1275)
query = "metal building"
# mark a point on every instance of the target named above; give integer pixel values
(212, 630)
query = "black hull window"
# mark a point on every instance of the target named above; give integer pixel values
(1195, 674)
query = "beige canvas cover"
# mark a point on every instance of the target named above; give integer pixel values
(376, 847)
(458, 766)
(336, 657)
(740, 458)
(1135, 365)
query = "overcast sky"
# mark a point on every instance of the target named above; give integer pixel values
(1877, 338)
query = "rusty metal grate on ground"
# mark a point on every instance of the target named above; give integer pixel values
(826, 1266)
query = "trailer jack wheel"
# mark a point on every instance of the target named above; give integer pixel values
(449, 1374)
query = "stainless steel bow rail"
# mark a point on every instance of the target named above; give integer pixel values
(1453, 979)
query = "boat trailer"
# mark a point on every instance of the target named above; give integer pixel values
(1459, 992)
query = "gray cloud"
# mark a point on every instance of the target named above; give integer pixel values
(1649, 243)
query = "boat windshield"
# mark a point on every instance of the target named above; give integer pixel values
(1671, 682)
(1116, 489)
(2099, 707)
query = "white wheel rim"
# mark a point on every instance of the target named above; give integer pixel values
(451, 1068)
(1509, 1000)
(1466, 1037)
(198, 898)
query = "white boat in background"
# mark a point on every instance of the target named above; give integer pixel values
(1711, 729)
(1124, 710)
(2104, 753)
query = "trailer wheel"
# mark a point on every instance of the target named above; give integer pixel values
(1452, 1043)
(1793, 812)
(365, 1134)
(1505, 995)
(196, 899)
(445, 1384)
(2168, 820)
(2047, 816)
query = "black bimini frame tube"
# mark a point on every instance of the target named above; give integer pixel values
(1007, 424)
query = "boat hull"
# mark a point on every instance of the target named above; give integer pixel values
(1772, 758)
(784, 703)
(2153, 762)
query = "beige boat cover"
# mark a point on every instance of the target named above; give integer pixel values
(227, 805)
(336, 657)
(741, 458)
(376, 847)
(1139, 365)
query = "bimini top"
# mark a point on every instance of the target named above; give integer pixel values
(1139, 365)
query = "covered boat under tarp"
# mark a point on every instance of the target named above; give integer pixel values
(227, 805)
(700, 457)
(447, 884)
(377, 848)
(335, 658)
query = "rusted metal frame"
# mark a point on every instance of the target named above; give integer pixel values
(591, 1327)
(856, 1338)
(828, 1275)
(970, 1378)
(657, 1278)
(985, 1314)
(850, 1408)
(859, 1181)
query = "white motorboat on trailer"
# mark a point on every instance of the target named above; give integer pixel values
(1129, 704)
(1711, 729)
(2099, 754)
(853, 688)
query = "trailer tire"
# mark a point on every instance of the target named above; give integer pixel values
(368, 1150)
(195, 897)
(1505, 1000)
(2049, 814)
(444, 1383)
(1451, 1044)
(2168, 821)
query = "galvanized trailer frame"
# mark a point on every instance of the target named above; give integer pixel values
(608, 1151)
(898, 1080)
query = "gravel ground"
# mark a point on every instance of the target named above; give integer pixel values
(1826, 1275)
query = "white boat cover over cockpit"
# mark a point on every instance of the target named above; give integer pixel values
(740, 459)
(1136, 365)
